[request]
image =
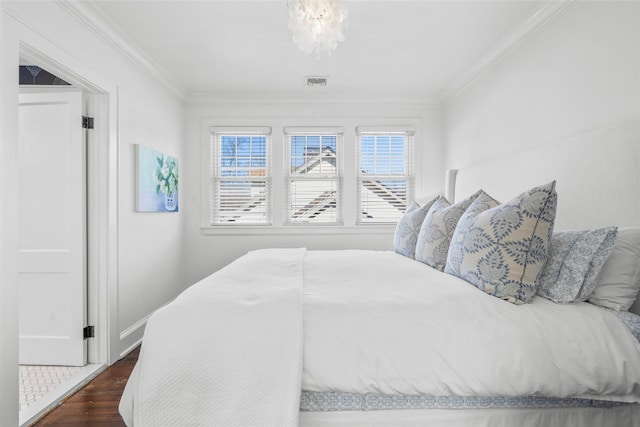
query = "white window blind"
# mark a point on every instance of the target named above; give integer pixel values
(313, 189)
(241, 177)
(385, 175)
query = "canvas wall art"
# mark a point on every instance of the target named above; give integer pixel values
(157, 181)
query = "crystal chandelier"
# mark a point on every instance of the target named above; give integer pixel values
(317, 25)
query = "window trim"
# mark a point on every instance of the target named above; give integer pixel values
(277, 124)
(299, 229)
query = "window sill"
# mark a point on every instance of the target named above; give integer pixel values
(334, 230)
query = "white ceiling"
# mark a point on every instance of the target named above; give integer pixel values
(401, 50)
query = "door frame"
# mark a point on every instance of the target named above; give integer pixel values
(102, 194)
(19, 38)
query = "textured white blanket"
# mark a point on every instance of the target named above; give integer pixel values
(228, 351)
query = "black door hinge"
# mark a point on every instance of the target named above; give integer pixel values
(87, 332)
(87, 122)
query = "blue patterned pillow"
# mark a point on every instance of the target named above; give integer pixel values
(503, 249)
(408, 227)
(437, 230)
(463, 233)
(630, 320)
(575, 260)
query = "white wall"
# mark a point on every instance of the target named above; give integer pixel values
(8, 232)
(206, 253)
(149, 246)
(579, 74)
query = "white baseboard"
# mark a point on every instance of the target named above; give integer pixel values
(130, 348)
(131, 337)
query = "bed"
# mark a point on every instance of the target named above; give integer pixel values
(359, 338)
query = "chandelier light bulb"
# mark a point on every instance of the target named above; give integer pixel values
(317, 26)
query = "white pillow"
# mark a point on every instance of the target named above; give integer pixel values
(619, 280)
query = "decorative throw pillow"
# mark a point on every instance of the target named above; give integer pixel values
(631, 321)
(437, 230)
(463, 233)
(408, 227)
(575, 259)
(619, 280)
(504, 249)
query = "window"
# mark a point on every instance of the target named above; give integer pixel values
(306, 179)
(313, 193)
(241, 177)
(385, 175)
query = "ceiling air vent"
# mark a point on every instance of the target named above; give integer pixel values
(316, 81)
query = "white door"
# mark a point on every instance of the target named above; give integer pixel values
(52, 228)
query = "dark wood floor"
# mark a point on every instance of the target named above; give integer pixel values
(96, 404)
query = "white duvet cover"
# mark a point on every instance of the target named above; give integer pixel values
(228, 351)
(378, 322)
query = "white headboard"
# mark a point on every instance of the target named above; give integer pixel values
(597, 178)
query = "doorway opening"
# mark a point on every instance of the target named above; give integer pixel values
(67, 234)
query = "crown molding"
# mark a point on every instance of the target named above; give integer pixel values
(243, 98)
(89, 15)
(540, 19)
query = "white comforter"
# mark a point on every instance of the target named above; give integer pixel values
(228, 351)
(377, 322)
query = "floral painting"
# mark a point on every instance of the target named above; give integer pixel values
(157, 181)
